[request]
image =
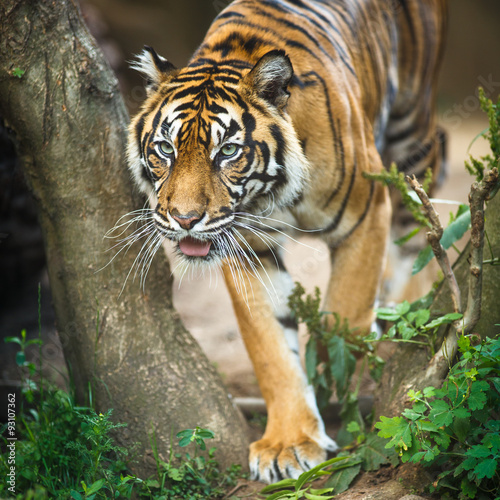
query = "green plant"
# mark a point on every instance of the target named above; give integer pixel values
(62, 450)
(411, 321)
(302, 486)
(18, 72)
(335, 369)
(65, 451)
(336, 341)
(456, 427)
(475, 166)
(190, 477)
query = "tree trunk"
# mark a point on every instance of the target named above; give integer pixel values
(129, 347)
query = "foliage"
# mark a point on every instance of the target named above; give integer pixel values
(411, 321)
(393, 177)
(492, 135)
(335, 340)
(65, 451)
(18, 72)
(456, 427)
(302, 486)
(329, 334)
(193, 477)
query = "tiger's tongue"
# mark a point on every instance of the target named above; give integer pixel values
(194, 248)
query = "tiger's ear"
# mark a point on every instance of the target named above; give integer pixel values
(156, 68)
(271, 76)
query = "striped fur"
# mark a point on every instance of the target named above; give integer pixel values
(272, 124)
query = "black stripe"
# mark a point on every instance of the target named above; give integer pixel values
(288, 322)
(417, 156)
(340, 51)
(138, 134)
(363, 215)
(333, 225)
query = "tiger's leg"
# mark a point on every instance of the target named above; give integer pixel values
(358, 264)
(294, 439)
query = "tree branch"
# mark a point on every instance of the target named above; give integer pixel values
(434, 237)
(479, 194)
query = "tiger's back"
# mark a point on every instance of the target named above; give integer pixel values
(274, 121)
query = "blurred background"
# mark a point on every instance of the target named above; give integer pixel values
(175, 28)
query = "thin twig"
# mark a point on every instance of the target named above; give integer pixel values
(479, 194)
(434, 237)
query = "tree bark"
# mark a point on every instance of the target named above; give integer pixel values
(129, 347)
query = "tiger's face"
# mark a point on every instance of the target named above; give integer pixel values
(212, 145)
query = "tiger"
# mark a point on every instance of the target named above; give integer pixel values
(269, 130)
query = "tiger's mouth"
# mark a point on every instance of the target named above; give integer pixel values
(192, 247)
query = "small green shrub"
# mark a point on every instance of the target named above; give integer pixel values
(456, 428)
(65, 451)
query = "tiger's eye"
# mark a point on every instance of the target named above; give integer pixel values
(166, 148)
(229, 149)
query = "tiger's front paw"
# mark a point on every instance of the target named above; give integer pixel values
(272, 461)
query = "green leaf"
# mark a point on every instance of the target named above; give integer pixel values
(478, 451)
(429, 392)
(403, 308)
(185, 441)
(20, 358)
(477, 397)
(320, 491)
(374, 453)
(440, 414)
(423, 258)
(14, 340)
(18, 72)
(311, 496)
(311, 359)
(468, 488)
(76, 495)
(417, 457)
(408, 237)
(281, 494)
(463, 342)
(410, 414)
(350, 415)
(305, 476)
(469, 463)
(447, 318)
(461, 427)
(340, 480)
(95, 487)
(353, 427)
(284, 483)
(185, 433)
(407, 332)
(421, 317)
(206, 434)
(396, 428)
(342, 364)
(486, 468)
(387, 314)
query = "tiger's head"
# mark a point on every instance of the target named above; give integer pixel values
(213, 142)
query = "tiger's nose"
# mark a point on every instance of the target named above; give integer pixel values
(186, 221)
